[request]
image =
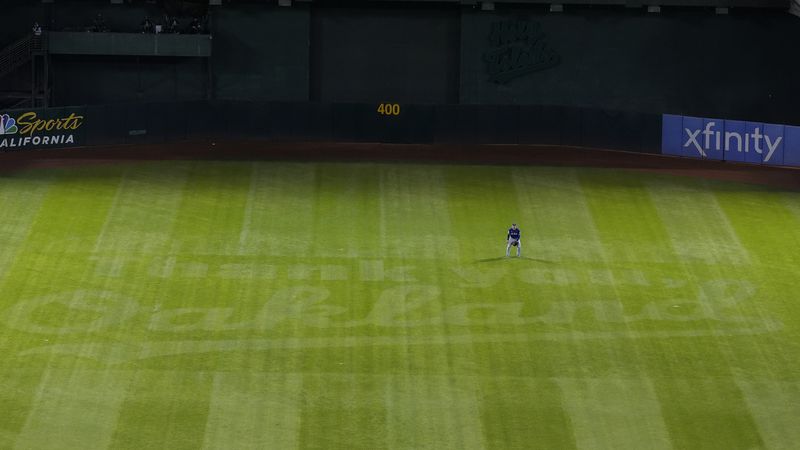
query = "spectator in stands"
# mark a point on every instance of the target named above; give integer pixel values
(172, 25)
(147, 25)
(99, 24)
(36, 42)
(195, 27)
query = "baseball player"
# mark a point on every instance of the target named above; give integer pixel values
(512, 239)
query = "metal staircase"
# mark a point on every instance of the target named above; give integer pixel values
(16, 55)
(29, 51)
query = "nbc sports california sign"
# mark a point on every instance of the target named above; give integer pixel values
(28, 130)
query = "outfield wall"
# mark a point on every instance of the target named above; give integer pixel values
(147, 123)
(341, 122)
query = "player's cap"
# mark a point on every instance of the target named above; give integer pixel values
(513, 224)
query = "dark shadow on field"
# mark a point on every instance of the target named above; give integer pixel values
(490, 259)
(778, 178)
(501, 258)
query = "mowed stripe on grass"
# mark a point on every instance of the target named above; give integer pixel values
(554, 212)
(775, 405)
(278, 205)
(698, 228)
(74, 409)
(291, 305)
(254, 410)
(20, 198)
(614, 413)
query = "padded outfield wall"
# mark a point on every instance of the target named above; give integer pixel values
(147, 123)
(746, 142)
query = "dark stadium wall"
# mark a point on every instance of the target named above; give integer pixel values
(79, 80)
(102, 79)
(18, 81)
(260, 52)
(17, 18)
(687, 63)
(392, 54)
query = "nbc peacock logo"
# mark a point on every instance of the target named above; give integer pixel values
(7, 125)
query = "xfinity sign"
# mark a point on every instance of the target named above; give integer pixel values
(730, 140)
(713, 139)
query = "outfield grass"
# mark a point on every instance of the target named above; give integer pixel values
(282, 305)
